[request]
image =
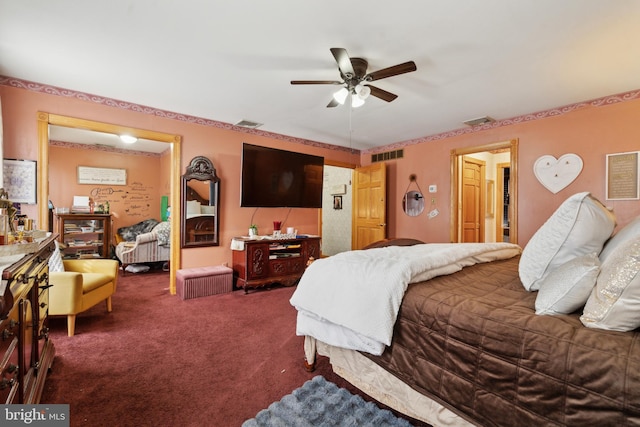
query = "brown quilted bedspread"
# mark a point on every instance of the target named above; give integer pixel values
(472, 341)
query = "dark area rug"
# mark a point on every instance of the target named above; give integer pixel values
(322, 403)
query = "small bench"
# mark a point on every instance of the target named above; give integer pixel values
(203, 281)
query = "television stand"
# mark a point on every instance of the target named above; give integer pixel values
(266, 261)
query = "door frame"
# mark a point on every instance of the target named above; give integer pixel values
(45, 119)
(455, 156)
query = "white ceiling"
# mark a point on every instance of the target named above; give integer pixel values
(108, 141)
(234, 60)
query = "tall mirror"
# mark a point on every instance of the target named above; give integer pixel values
(200, 204)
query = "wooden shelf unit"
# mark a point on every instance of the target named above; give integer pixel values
(84, 235)
(267, 261)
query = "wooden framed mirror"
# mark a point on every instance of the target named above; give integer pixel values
(200, 204)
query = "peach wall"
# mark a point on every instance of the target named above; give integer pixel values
(219, 143)
(591, 132)
(138, 200)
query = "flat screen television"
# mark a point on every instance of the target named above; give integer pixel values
(273, 178)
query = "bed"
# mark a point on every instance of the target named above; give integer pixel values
(543, 336)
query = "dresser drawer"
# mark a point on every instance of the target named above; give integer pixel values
(9, 362)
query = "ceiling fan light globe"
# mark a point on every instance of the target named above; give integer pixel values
(363, 91)
(341, 95)
(356, 101)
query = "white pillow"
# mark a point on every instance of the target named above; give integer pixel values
(568, 287)
(193, 207)
(208, 210)
(629, 231)
(614, 303)
(55, 260)
(578, 227)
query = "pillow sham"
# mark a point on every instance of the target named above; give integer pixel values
(207, 210)
(628, 232)
(193, 207)
(567, 288)
(578, 227)
(614, 304)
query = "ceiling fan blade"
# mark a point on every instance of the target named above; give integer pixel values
(406, 67)
(315, 82)
(382, 94)
(333, 103)
(343, 60)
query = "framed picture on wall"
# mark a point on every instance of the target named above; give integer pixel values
(337, 202)
(20, 180)
(622, 176)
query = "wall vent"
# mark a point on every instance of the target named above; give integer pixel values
(248, 124)
(479, 121)
(387, 155)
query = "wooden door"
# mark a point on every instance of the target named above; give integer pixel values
(472, 200)
(369, 205)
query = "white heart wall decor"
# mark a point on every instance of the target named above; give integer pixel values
(555, 174)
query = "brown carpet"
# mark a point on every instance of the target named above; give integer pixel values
(157, 360)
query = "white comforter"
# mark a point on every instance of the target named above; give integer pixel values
(352, 299)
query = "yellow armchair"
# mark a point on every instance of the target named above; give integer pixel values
(83, 284)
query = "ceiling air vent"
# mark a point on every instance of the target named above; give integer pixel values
(387, 155)
(479, 121)
(248, 124)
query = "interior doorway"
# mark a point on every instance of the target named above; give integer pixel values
(503, 172)
(486, 211)
(335, 215)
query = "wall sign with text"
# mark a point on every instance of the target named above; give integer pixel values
(622, 176)
(101, 176)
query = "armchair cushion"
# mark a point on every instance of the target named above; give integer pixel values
(91, 281)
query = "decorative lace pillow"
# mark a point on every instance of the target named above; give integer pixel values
(55, 261)
(578, 227)
(614, 303)
(567, 288)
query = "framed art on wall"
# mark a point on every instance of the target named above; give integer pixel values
(101, 176)
(19, 180)
(622, 176)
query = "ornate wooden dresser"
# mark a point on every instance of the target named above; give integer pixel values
(266, 261)
(26, 353)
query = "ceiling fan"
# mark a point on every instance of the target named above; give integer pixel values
(355, 79)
